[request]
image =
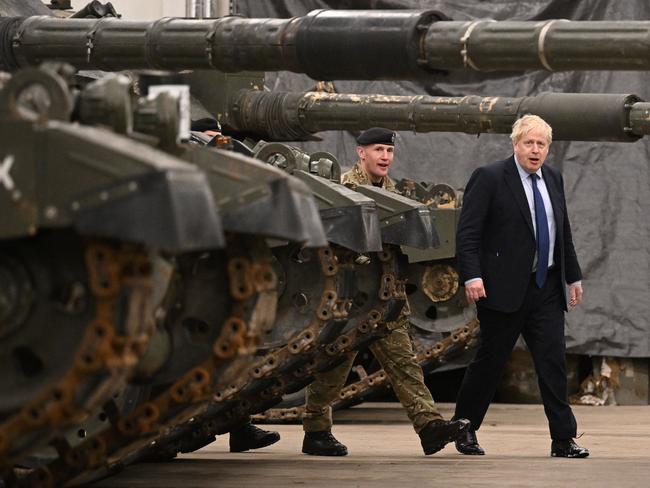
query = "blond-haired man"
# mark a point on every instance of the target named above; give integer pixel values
(516, 254)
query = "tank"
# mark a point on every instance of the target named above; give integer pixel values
(107, 231)
(84, 247)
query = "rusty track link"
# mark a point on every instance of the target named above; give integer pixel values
(106, 354)
(429, 358)
(268, 385)
(248, 279)
(261, 375)
(148, 433)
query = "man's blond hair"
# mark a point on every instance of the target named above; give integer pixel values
(530, 122)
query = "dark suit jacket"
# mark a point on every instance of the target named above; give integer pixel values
(496, 240)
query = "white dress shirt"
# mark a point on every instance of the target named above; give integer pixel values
(550, 218)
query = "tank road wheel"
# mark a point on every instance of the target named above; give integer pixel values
(378, 296)
(74, 319)
(312, 294)
(437, 301)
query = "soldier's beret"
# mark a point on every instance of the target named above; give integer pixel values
(208, 123)
(376, 135)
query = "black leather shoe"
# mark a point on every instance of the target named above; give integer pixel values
(438, 433)
(568, 449)
(468, 444)
(250, 437)
(323, 443)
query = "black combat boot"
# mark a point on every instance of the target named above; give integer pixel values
(250, 437)
(323, 443)
(438, 433)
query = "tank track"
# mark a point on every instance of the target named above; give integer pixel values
(120, 283)
(213, 403)
(430, 358)
(251, 286)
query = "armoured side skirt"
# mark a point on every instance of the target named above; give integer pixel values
(283, 213)
(173, 211)
(354, 227)
(415, 229)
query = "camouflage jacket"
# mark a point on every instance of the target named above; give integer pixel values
(357, 176)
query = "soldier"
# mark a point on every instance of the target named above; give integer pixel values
(245, 436)
(394, 351)
(248, 436)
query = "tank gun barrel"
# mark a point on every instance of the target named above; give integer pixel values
(417, 43)
(552, 45)
(295, 116)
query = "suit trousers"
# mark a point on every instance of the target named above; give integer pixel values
(395, 355)
(540, 320)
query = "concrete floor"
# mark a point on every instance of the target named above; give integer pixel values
(385, 452)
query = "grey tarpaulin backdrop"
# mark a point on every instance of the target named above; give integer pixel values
(607, 184)
(11, 8)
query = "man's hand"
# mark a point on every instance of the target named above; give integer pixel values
(475, 290)
(575, 294)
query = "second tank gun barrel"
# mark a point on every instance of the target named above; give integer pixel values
(295, 116)
(378, 44)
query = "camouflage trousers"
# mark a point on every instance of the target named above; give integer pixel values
(395, 355)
